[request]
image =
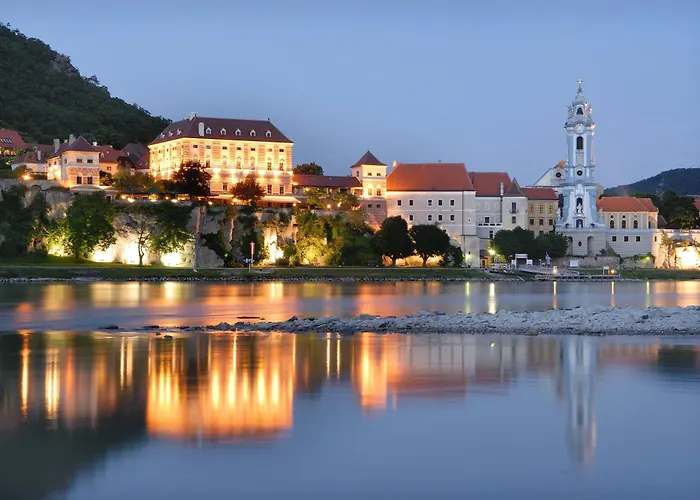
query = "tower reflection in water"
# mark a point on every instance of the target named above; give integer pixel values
(226, 387)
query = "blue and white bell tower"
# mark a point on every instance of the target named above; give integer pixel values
(579, 188)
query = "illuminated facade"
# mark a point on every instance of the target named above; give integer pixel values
(230, 149)
(75, 164)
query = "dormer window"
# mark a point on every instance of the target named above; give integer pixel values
(208, 131)
(179, 131)
(238, 132)
(170, 134)
(268, 134)
(252, 133)
(223, 131)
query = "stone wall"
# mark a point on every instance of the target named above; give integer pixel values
(596, 261)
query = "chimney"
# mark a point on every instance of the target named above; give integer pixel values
(201, 129)
(501, 190)
(191, 116)
(71, 139)
(94, 143)
(56, 144)
(38, 154)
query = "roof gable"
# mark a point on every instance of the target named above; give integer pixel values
(222, 129)
(81, 144)
(429, 177)
(514, 189)
(368, 159)
(540, 193)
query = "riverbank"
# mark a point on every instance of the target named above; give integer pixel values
(121, 272)
(579, 321)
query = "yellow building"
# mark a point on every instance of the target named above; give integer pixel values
(75, 164)
(230, 149)
(542, 206)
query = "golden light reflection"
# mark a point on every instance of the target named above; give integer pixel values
(612, 294)
(555, 299)
(52, 394)
(492, 298)
(24, 377)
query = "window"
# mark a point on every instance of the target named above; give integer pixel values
(430, 218)
(612, 224)
(638, 238)
(268, 134)
(194, 146)
(513, 207)
(579, 143)
(252, 149)
(207, 147)
(224, 148)
(541, 209)
(439, 218)
(550, 209)
(369, 174)
(654, 239)
(79, 180)
(623, 224)
(238, 132)
(532, 222)
(369, 205)
(452, 203)
(281, 150)
(223, 132)
(208, 131)
(452, 218)
(540, 222)
(281, 164)
(79, 160)
(252, 133)
(109, 169)
(224, 186)
(398, 203)
(252, 163)
(410, 203)
(357, 174)
(238, 148)
(281, 188)
(614, 238)
(532, 208)
(89, 180)
(379, 174)
(551, 222)
(439, 203)
(238, 163)
(379, 192)
(490, 235)
(627, 238)
(269, 189)
(513, 219)
(369, 191)
(487, 220)
(579, 111)
(635, 224)
(269, 163)
(430, 203)
(90, 161)
(410, 217)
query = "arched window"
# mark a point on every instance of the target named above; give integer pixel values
(623, 224)
(252, 163)
(223, 131)
(281, 164)
(579, 111)
(635, 225)
(208, 131)
(268, 134)
(579, 143)
(238, 163)
(238, 132)
(612, 223)
(252, 133)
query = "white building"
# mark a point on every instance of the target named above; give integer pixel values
(436, 193)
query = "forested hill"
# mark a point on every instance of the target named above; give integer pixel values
(684, 181)
(43, 96)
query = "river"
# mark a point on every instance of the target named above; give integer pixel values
(88, 415)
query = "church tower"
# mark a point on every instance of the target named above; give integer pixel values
(578, 213)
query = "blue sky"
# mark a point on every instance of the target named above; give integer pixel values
(486, 83)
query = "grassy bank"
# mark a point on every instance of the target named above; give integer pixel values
(120, 272)
(651, 274)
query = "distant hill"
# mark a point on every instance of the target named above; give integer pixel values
(684, 181)
(43, 96)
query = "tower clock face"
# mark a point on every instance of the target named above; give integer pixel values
(579, 128)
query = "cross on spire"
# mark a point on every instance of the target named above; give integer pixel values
(580, 83)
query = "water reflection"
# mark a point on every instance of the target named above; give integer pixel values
(90, 305)
(233, 388)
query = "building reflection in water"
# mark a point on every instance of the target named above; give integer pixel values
(232, 387)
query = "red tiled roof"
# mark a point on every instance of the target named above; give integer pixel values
(540, 193)
(326, 181)
(222, 128)
(143, 163)
(626, 204)
(368, 159)
(697, 203)
(12, 139)
(489, 183)
(514, 189)
(29, 157)
(429, 177)
(110, 155)
(79, 144)
(46, 149)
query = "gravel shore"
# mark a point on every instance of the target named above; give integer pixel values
(579, 321)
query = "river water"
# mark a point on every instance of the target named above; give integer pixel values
(87, 415)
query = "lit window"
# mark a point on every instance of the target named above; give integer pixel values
(238, 162)
(281, 188)
(224, 186)
(369, 191)
(379, 192)
(269, 189)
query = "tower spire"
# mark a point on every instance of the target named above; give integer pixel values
(580, 84)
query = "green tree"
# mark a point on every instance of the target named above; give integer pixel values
(248, 190)
(508, 242)
(308, 169)
(392, 240)
(311, 236)
(429, 240)
(124, 181)
(89, 224)
(553, 244)
(192, 179)
(23, 228)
